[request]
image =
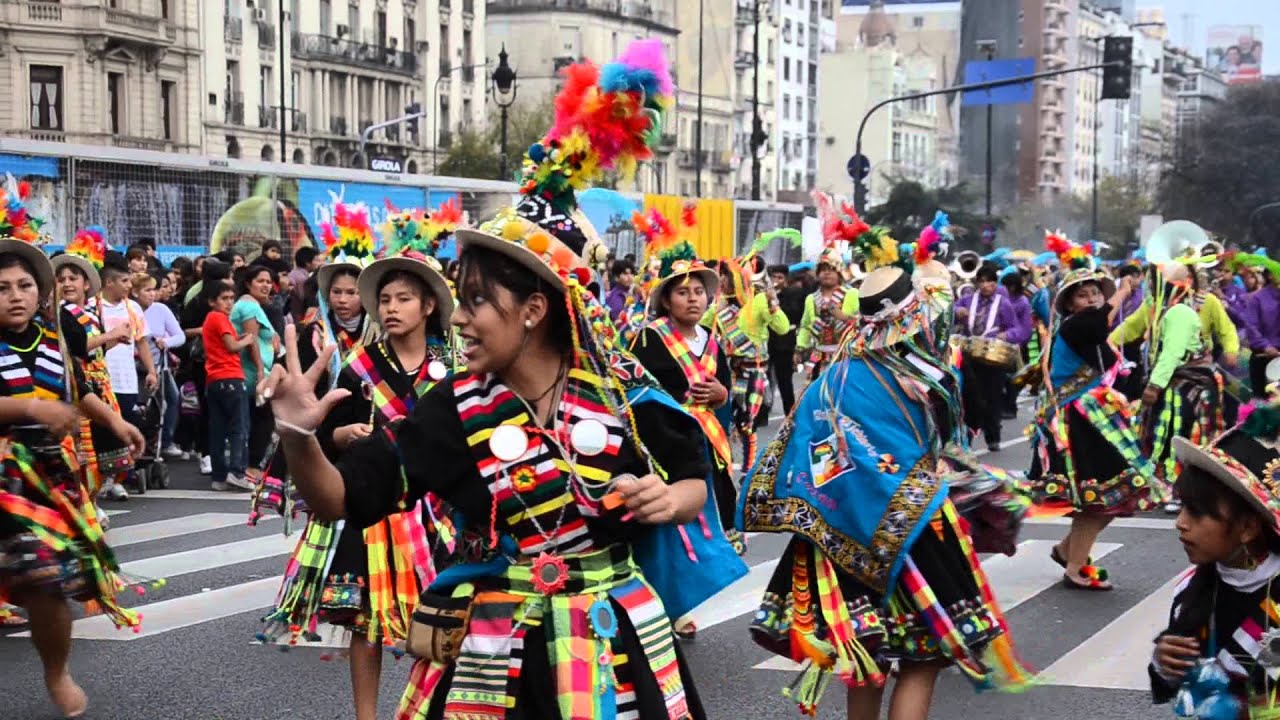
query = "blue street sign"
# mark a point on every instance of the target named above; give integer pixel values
(858, 167)
(978, 71)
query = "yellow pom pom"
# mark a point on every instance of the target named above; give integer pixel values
(512, 231)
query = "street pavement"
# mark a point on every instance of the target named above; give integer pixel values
(196, 658)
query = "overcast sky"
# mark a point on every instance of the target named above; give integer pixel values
(1189, 22)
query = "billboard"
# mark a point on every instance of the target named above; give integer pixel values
(1235, 51)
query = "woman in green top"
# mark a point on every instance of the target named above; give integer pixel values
(248, 317)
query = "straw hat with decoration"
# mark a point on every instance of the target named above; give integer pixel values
(413, 239)
(1078, 266)
(678, 258)
(86, 252)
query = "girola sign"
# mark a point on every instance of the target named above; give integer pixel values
(386, 164)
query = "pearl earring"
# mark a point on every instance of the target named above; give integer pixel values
(528, 324)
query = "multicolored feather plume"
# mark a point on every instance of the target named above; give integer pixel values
(90, 244)
(1070, 255)
(349, 234)
(606, 119)
(15, 220)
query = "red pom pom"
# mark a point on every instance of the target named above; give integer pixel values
(583, 275)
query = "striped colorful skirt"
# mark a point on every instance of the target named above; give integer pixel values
(1086, 458)
(942, 609)
(599, 647)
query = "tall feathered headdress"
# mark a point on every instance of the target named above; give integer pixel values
(664, 239)
(90, 244)
(15, 220)
(607, 119)
(1070, 255)
(934, 239)
(415, 231)
(349, 235)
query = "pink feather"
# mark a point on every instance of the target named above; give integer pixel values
(650, 55)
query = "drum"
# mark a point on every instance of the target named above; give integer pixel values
(1273, 371)
(990, 351)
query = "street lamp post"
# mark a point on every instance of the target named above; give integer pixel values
(504, 94)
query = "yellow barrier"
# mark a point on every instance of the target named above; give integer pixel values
(713, 237)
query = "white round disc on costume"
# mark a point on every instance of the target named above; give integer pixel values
(589, 437)
(508, 443)
(436, 370)
(1273, 370)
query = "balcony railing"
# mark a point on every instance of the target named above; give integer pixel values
(393, 133)
(145, 29)
(266, 36)
(338, 125)
(267, 117)
(632, 10)
(468, 73)
(348, 52)
(233, 109)
(233, 29)
(298, 122)
(744, 60)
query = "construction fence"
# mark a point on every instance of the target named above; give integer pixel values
(190, 205)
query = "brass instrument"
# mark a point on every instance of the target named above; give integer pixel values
(1180, 240)
(966, 265)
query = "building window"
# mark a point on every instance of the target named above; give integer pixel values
(410, 35)
(326, 17)
(786, 68)
(353, 21)
(115, 100)
(445, 61)
(164, 9)
(786, 106)
(167, 97)
(897, 147)
(380, 28)
(46, 97)
(467, 59)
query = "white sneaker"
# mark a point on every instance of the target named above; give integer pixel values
(219, 486)
(239, 481)
(206, 465)
(116, 492)
(173, 451)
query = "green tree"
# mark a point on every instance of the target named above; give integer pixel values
(910, 206)
(1227, 166)
(1121, 204)
(475, 153)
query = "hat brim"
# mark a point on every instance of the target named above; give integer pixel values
(519, 253)
(710, 281)
(95, 280)
(326, 273)
(1189, 453)
(1107, 284)
(372, 276)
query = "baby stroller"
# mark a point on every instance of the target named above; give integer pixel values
(152, 473)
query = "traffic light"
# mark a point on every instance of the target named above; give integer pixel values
(1117, 76)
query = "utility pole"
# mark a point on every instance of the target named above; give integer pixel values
(697, 130)
(988, 47)
(283, 130)
(757, 127)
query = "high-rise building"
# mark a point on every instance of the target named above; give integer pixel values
(756, 77)
(714, 76)
(97, 74)
(802, 27)
(881, 54)
(545, 36)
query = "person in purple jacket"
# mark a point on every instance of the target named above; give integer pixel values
(622, 275)
(1262, 317)
(1015, 285)
(986, 312)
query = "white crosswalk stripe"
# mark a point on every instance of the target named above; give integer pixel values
(1112, 658)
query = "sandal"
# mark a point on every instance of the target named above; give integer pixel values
(687, 631)
(1093, 581)
(1056, 556)
(11, 619)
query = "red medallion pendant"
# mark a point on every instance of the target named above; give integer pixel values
(549, 574)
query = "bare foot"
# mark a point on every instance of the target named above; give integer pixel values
(67, 696)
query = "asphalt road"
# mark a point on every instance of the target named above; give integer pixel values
(196, 658)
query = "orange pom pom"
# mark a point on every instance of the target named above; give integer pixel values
(538, 242)
(563, 257)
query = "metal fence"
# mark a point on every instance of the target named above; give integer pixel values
(182, 202)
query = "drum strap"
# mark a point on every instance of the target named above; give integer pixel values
(991, 313)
